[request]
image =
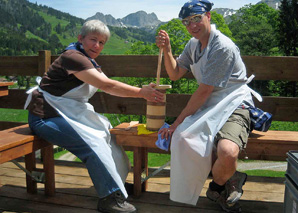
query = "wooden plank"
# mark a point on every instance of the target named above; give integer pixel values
(282, 108)
(6, 124)
(17, 142)
(10, 204)
(137, 171)
(264, 67)
(15, 100)
(5, 84)
(16, 136)
(30, 165)
(272, 67)
(47, 154)
(19, 65)
(3, 91)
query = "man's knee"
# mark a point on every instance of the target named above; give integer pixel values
(227, 150)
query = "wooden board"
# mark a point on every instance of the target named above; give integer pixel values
(271, 145)
(282, 108)
(264, 67)
(76, 194)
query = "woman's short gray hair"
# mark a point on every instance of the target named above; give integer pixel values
(97, 26)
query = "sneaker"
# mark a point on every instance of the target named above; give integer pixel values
(221, 200)
(212, 195)
(115, 203)
(234, 187)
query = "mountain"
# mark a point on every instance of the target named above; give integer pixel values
(225, 11)
(140, 19)
(107, 19)
(272, 3)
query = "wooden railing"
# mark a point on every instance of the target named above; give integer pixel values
(264, 68)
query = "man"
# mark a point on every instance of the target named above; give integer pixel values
(215, 119)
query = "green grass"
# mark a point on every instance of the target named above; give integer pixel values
(59, 154)
(30, 35)
(154, 159)
(14, 115)
(265, 173)
(116, 46)
(53, 20)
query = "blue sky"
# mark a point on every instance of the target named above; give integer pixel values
(164, 9)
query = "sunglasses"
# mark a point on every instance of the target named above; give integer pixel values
(194, 19)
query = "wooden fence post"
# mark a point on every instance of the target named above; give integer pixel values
(44, 61)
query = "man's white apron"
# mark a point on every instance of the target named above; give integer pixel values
(94, 128)
(192, 141)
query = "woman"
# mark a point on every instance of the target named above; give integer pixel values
(59, 112)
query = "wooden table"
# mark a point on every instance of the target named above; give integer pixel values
(4, 88)
(139, 144)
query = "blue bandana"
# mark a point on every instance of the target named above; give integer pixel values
(79, 47)
(194, 7)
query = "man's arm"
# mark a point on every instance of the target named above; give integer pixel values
(195, 102)
(174, 71)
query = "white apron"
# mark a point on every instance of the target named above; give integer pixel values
(192, 141)
(94, 128)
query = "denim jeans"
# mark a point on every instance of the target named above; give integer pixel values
(58, 132)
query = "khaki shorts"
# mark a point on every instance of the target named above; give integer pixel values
(236, 129)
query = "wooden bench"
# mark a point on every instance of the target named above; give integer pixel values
(261, 145)
(4, 88)
(19, 141)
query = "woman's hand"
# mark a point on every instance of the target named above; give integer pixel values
(151, 94)
(163, 40)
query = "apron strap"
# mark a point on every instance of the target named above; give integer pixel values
(257, 95)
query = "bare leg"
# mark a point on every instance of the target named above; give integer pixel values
(226, 163)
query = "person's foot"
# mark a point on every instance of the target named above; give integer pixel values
(115, 203)
(234, 187)
(221, 200)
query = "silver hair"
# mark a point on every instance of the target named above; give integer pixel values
(97, 26)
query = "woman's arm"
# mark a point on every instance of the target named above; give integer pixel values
(117, 88)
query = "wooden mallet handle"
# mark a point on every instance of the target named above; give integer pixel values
(159, 67)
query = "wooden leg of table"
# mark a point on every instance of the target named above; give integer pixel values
(144, 167)
(137, 171)
(30, 164)
(48, 165)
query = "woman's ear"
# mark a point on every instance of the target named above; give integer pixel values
(80, 37)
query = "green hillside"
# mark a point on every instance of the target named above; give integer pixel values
(26, 28)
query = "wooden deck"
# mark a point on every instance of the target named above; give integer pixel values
(75, 193)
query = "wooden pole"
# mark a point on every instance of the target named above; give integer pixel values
(44, 61)
(159, 67)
